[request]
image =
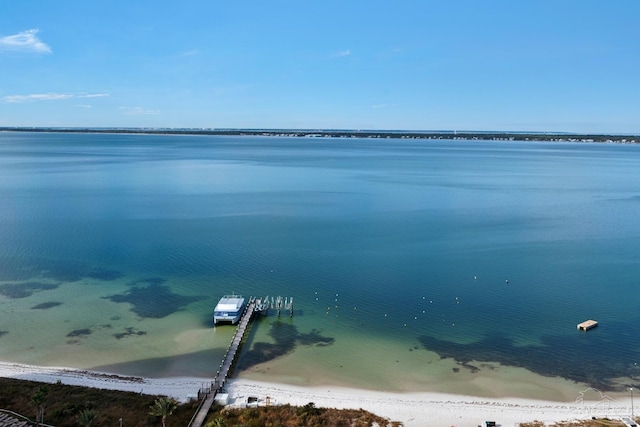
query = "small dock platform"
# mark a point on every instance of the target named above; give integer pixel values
(587, 324)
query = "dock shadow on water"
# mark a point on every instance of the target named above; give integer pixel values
(169, 366)
(573, 358)
(287, 338)
(46, 305)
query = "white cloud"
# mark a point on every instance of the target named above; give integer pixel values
(50, 97)
(190, 52)
(138, 111)
(385, 105)
(26, 41)
(91, 95)
(342, 53)
(37, 97)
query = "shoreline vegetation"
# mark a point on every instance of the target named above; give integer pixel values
(337, 133)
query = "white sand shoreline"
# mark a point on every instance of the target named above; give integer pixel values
(412, 409)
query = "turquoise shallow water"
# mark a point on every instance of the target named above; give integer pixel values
(439, 257)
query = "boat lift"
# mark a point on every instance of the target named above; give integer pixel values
(278, 303)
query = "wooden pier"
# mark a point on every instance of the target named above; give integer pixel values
(222, 374)
(207, 396)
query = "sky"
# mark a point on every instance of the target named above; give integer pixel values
(528, 65)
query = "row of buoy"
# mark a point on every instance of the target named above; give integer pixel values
(404, 324)
(476, 278)
(424, 297)
(457, 300)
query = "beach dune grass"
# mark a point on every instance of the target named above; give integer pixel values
(307, 415)
(64, 403)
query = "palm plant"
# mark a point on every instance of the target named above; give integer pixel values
(38, 399)
(217, 422)
(86, 417)
(163, 407)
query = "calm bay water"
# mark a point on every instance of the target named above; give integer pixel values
(414, 262)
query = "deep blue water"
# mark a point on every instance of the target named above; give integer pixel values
(490, 251)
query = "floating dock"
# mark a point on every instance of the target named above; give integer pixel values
(587, 324)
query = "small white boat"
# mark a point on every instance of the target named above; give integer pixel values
(229, 309)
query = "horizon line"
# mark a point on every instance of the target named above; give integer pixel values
(452, 132)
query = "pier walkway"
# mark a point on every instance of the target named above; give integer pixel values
(225, 367)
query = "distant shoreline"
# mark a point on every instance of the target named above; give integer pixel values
(309, 133)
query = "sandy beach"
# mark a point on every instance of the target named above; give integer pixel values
(412, 409)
